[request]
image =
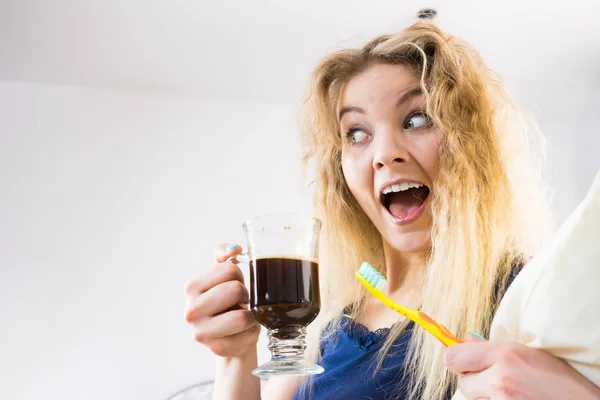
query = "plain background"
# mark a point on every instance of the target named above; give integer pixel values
(135, 136)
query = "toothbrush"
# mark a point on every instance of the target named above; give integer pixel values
(375, 283)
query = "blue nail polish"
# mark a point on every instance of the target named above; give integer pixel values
(477, 335)
(232, 246)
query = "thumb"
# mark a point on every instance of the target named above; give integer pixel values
(474, 337)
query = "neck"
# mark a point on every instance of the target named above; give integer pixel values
(404, 270)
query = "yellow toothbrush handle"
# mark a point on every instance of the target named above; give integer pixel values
(425, 321)
(436, 329)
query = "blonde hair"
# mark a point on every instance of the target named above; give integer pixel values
(490, 206)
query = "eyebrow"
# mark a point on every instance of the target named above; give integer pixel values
(406, 95)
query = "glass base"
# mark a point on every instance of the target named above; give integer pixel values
(287, 367)
(287, 347)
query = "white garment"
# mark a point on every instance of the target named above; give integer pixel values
(554, 303)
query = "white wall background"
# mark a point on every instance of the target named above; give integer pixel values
(109, 203)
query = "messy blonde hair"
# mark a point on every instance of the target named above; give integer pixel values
(489, 206)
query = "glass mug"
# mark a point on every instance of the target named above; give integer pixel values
(283, 251)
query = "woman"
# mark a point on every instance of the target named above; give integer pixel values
(422, 171)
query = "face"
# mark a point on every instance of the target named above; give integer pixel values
(390, 155)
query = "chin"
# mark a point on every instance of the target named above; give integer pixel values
(409, 242)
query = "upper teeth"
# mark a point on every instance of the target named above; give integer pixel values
(399, 187)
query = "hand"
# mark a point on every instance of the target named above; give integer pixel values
(502, 370)
(212, 310)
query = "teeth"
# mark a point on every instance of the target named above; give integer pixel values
(400, 187)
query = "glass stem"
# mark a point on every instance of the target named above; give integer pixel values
(287, 349)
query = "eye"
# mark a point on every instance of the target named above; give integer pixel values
(356, 135)
(416, 120)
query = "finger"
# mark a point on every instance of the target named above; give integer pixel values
(214, 276)
(474, 386)
(224, 251)
(223, 325)
(490, 384)
(474, 337)
(231, 346)
(217, 300)
(471, 357)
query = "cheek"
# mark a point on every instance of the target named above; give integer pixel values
(356, 173)
(348, 171)
(429, 156)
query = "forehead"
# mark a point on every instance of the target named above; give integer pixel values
(378, 83)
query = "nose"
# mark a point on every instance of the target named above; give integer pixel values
(390, 149)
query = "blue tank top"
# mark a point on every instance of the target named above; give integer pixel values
(350, 357)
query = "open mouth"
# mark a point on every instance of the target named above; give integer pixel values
(404, 200)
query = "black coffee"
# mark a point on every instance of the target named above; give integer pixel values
(284, 293)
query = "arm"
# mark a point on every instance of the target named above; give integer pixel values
(281, 388)
(219, 322)
(234, 379)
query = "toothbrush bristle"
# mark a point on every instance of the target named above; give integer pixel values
(371, 275)
(363, 268)
(375, 280)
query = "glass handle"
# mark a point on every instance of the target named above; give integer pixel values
(243, 258)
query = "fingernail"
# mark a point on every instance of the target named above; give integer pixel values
(232, 246)
(477, 335)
